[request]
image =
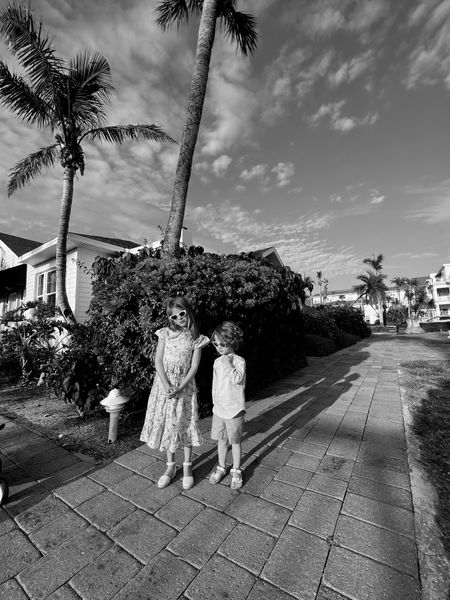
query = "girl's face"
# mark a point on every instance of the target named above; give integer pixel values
(222, 346)
(179, 317)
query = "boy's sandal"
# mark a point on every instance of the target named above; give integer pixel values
(164, 480)
(236, 479)
(188, 480)
(218, 474)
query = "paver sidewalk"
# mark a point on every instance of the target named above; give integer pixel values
(325, 512)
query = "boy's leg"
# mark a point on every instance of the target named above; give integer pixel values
(236, 451)
(222, 451)
(187, 464)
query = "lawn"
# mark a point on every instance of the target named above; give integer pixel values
(427, 392)
(37, 409)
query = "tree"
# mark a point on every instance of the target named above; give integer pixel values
(70, 100)
(320, 284)
(241, 28)
(373, 287)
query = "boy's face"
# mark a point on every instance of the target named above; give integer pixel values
(222, 346)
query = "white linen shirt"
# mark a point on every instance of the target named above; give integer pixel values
(228, 388)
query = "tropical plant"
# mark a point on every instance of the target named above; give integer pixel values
(372, 288)
(241, 28)
(70, 100)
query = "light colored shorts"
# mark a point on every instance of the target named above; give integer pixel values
(228, 429)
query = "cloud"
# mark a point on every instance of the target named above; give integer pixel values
(436, 210)
(351, 69)
(376, 197)
(333, 113)
(255, 172)
(221, 164)
(284, 173)
(429, 61)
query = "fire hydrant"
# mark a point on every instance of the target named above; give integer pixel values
(114, 403)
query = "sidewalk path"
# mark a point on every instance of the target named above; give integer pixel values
(325, 512)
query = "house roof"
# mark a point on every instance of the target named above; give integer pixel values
(18, 245)
(112, 241)
(270, 254)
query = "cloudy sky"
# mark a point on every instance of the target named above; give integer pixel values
(331, 143)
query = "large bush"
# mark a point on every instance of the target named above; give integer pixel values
(348, 319)
(127, 308)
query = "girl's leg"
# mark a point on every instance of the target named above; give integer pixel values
(170, 468)
(187, 464)
(222, 450)
(236, 451)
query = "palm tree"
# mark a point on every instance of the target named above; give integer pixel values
(372, 288)
(376, 262)
(70, 100)
(241, 28)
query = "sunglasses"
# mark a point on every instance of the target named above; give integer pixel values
(179, 315)
(220, 344)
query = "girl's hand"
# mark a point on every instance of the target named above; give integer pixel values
(173, 391)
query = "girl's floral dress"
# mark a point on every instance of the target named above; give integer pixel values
(172, 422)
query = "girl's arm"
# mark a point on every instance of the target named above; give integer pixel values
(159, 364)
(196, 356)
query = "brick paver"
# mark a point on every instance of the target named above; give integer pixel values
(325, 513)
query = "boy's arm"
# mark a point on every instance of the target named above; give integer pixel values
(234, 367)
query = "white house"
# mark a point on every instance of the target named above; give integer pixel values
(13, 274)
(440, 289)
(82, 250)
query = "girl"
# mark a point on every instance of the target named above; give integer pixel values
(172, 414)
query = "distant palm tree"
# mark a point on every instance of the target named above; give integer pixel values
(372, 288)
(375, 262)
(241, 28)
(70, 100)
(320, 283)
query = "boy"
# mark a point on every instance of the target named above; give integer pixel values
(228, 393)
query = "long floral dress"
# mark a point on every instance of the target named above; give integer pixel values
(171, 423)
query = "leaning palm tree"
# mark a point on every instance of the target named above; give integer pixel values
(241, 28)
(70, 100)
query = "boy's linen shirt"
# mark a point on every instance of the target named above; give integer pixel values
(228, 386)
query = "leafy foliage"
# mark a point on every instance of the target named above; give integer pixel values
(30, 335)
(317, 345)
(349, 320)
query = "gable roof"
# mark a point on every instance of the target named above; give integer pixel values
(113, 241)
(18, 245)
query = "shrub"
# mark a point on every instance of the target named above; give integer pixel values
(319, 323)
(349, 320)
(127, 308)
(29, 340)
(347, 339)
(317, 345)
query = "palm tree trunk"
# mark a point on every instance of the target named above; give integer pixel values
(206, 33)
(61, 244)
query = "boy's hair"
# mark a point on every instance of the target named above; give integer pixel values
(229, 332)
(182, 304)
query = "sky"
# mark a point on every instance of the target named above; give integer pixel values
(331, 143)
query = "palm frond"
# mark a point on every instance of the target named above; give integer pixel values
(239, 26)
(175, 11)
(32, 47)
(31, 166)
(120, 133)
(16, 95)
(89, 87)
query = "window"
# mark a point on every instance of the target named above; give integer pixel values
(46, 287)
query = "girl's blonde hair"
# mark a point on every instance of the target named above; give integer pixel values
(230, 333)
(182, 304)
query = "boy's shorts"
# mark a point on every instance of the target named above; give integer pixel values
(228, 429)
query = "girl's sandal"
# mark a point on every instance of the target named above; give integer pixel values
(217, 475)
(236, 479)
(188, 480)
(164, 480)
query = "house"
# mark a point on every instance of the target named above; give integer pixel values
(12, 274)
(439, 286)
(82, 250)
(269, 254)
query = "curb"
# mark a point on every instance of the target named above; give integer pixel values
(434, 566)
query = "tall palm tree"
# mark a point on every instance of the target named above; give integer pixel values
(70, 100)
(320, 283)
(375, 262)
(241, 28)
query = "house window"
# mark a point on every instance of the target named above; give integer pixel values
(46, 287)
